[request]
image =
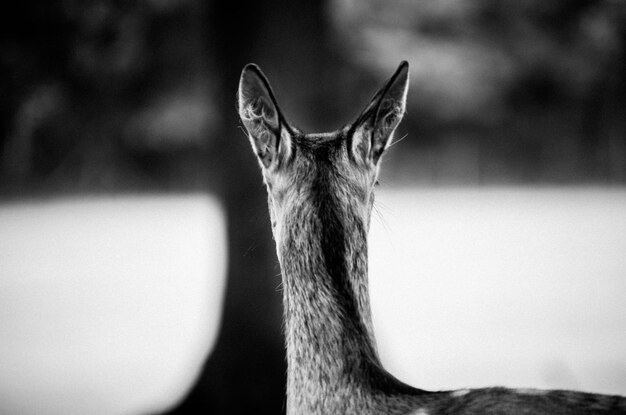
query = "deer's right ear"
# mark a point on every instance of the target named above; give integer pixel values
(373, 130)
(261, 116)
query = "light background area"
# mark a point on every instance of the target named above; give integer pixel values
(109, 305)
(515, 287)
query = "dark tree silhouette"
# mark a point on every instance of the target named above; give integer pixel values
(246, 371)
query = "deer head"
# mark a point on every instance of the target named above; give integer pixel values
(297, 167)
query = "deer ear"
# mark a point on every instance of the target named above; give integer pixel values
(261, 116)
(373, 129)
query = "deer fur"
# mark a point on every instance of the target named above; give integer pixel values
(320, 196)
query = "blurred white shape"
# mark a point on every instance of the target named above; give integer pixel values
(514, 287)
(174, 120)
(107, 305)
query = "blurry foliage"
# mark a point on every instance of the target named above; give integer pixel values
(121, 94)
(502, 90)
(101, 95)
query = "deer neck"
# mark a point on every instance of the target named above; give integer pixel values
(330, 342)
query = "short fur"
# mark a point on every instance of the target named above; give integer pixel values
(320, 196)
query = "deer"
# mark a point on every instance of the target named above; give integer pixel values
(320, 191)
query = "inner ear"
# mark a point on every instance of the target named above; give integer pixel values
(373, 130)
(256, 103)
(261, 116)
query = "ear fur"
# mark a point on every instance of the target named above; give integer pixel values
(261, 117)
(373, 129)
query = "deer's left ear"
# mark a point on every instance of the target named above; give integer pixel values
(262, 118)
(373, 130)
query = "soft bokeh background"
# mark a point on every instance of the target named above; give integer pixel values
(137, 270)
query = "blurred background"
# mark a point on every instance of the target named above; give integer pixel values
(137, 269)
